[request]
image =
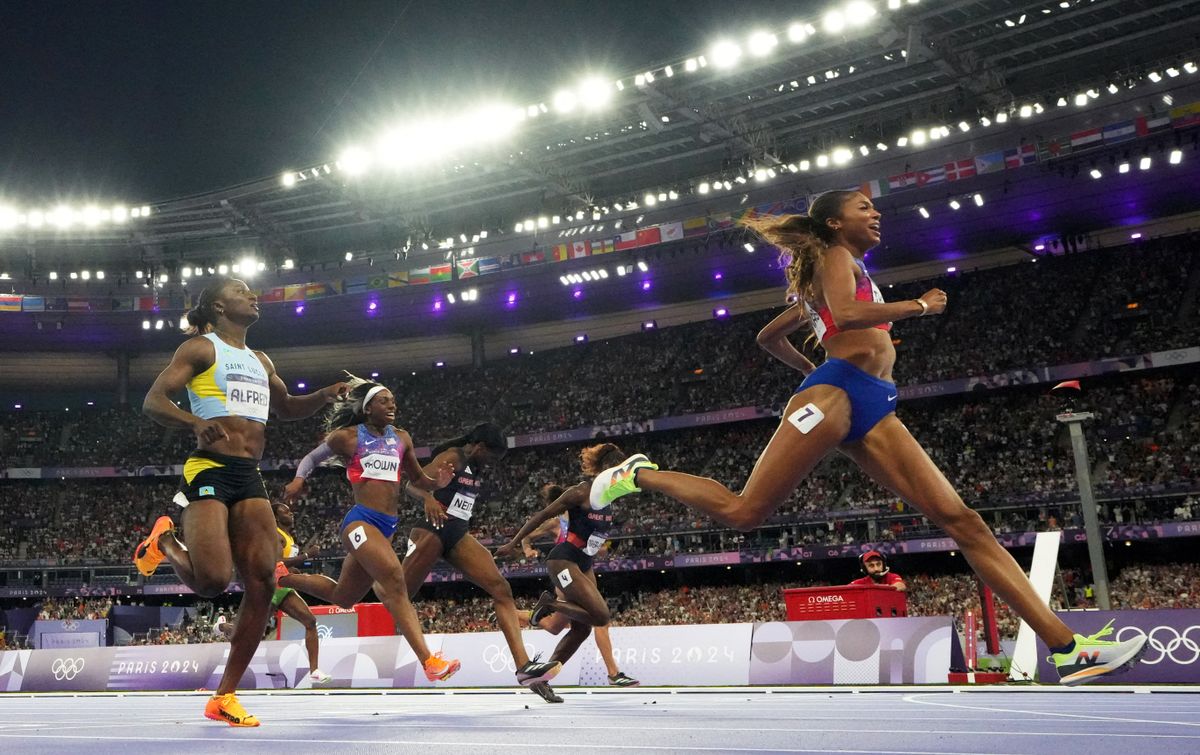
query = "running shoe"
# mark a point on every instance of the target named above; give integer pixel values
(438, 669)
(537, 670)
(543, 690)
(147, 556)
(1092, 657)
(543, 608)
(618, 481)
(620, 680)
(227, 708)
(319, 677)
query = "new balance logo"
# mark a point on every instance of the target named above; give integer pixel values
(1089, 659)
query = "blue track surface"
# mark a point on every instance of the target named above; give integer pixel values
(924, 720)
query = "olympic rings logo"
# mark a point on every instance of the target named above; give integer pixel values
(66, 669)
(1166, 640)
(498, 659)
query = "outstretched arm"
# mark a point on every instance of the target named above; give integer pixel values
(416, 474)
(573, 497)
(545, 528)
(289, 407)
(337, 443)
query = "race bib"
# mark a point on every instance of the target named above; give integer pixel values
(461, 506)
(594, 544)
(380, 467)
(564, 578)
(247, 396)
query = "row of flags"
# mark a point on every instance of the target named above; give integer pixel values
(1184, 116)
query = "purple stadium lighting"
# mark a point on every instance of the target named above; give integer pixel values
(374, 374)
(645, 285)
(581, 338)
(1135, 236)
(301, 386)
(650, 325)
(511, 300)
(717, 276)
(437, 305)
(577, 293)
(514, 350)
(1039, 248)
(720, 313)
(299, 309)
(951, 269)
(372, 307)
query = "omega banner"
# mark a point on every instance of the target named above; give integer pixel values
(1172, 647)
(870, 651)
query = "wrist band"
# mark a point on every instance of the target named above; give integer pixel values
(924, 307)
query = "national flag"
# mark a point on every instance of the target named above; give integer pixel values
(105, 305)
(76, 304)
(875, 188)
(466, 268)
(902, 181)
(1150, 125)
(33, 304)
(648, 236)
(1115, 133)
(1053, 148)
(1185, 115)
(419, 276)
(626, 240)
(695, 227)
(377, 282)
(293, 292)
(960, 169)
(1026, 154)
(440, 273)
(125, 304)
(580, 249)
(271, 295)
(397, 279)
(56, 304)
(560, 253)
(10, 302)
(931, 176)
(671, 231)
(992, 162)
(1084, 138)
(489, 265)
(321, 290)
(532, 258)
(603, 246)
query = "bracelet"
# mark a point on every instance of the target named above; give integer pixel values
(924, 307)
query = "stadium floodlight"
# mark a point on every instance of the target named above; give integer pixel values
(1190, 67)
(222, 269)
(703, 187)
(797, 33)
(543, 222)
(1144, 163)
(985, 121)
(36, 219)
(760, 175)
(288, 179)
(672, 195)
(978, 200)
(1026, 111)
(822, 161)
(918, 138)
(86, 275)
(119, 214)
(1154, 76)
(1081, 99)
(53, 275)
(841, 156)
(163, 278)
(761, 43)
(1095, 173)
(185, 272)
(642, 266)
(726, 54)
(145, 325)
(158, 324)
(649, 200)
(595, 92)
(748, 246)
(964, 126)
(1176, 156)
(1002, 117)
(834, 22)
(249, 267)
(955, 204)
(354, 161)
(1172, 72)
(565, 101)
(1123, 167)
(924, 212)
(893, 4)
(74, 276)
(859, 12)
(690, 65)
(662, 196)
(1113, 88)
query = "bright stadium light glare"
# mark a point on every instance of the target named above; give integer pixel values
(797, 33)
(249, 267)
(145, 325)
(86, 275)
(841, 156)
(702, 188)
(1095, 173)
(99, 275)
(36, 219)
(918, 137)
(649, 200)
(222, 269)
(53, 275)
(565, 101)
(119, 213)
(978, 198)
(761, 43)
(288, 179)
(355, 161)
(834, 22)
(859, 12)
(822, 161)
(924, 212)
(595, 92)
(1144, 163)
(1176, 156)
(725, 54)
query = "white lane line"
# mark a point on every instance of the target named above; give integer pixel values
(914, 699)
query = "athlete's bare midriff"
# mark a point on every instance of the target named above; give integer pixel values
(247, 438)
(868, 349)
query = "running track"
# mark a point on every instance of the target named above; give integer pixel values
(829, 720)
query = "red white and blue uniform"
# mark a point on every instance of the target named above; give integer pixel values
(376, 457)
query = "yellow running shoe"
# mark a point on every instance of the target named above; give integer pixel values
(147, 556)
(438, 669)
(1093, 657)
(227, 708)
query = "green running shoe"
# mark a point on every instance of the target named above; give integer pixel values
(1093, 657)
(617, 481)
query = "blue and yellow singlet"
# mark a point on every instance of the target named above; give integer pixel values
(234, 386)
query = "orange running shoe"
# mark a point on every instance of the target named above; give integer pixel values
(227, 708)
(438, 669)
(147, 556)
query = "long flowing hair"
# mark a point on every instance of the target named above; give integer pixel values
(801, 239)
(349, 411)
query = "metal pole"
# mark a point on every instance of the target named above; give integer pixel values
(1091, 517)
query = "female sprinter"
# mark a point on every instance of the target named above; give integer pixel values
(226, 514)
(443, 535)
(570, 562)
(848, 403)
(288, 600)
(556, 622)
(361, 432)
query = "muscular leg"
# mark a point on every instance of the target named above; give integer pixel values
(418, 563)
(570, 642)
(352, 584)
(603, 641)
(255, 546)
(894, 459)
(582, 603)
(476, 564)
(293, 605)
(788, 458)
(206, 523)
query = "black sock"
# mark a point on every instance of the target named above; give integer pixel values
(1065, 648)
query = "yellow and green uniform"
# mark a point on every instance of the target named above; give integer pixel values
(289, 551)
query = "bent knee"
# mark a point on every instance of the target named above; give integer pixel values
(601, 618)
(964, 524)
